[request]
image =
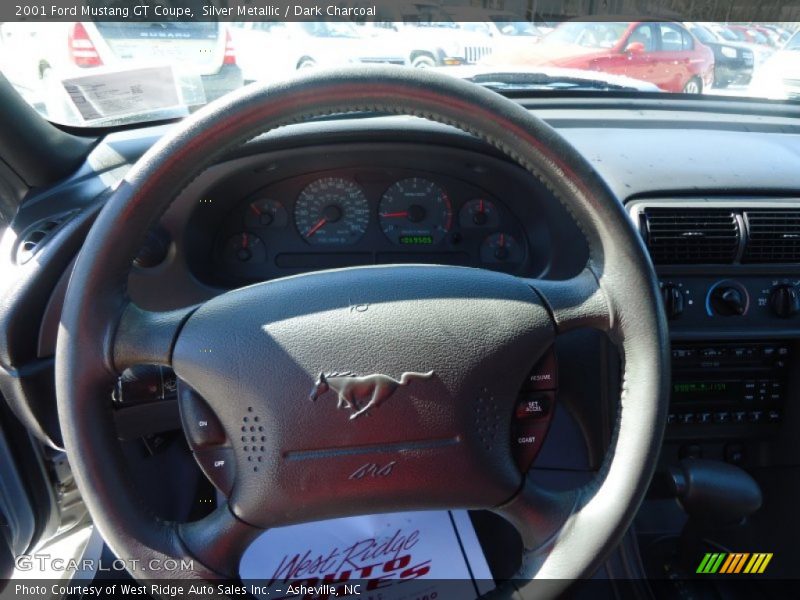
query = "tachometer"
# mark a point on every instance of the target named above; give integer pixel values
(415, 211)
(331, 210)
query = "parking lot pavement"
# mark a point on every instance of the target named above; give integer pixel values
(733, 90)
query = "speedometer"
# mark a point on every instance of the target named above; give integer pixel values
(415, 211)
(331, 211)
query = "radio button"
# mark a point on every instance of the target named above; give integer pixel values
(722, 417)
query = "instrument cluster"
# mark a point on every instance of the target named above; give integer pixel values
(354, 217)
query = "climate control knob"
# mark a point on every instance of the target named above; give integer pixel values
(784, 300)
(673, 300)
(728, 300)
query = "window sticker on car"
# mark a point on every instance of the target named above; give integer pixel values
(120, 93)
(434, 554)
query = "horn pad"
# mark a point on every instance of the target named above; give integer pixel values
(364, 388)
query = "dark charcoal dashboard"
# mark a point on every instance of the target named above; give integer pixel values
(707, 196)
(332, 208)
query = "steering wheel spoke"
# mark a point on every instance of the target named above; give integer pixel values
(538, 513)
(577, 302)
(145, 337)
(218, 541)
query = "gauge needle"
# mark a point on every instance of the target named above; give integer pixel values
(320, 224)
(255, 209)
(395, 214)
(481, 207)
(502, 240)
(244, 240)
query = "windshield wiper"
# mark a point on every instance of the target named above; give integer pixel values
(525, 81)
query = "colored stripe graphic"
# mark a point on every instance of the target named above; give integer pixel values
(735, 562)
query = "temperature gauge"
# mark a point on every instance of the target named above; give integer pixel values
(479, 213)
(244, 248)
(501, 248)
(266, 213)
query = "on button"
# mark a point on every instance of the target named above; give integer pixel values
(201, 425)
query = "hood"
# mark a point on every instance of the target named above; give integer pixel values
(556, 73)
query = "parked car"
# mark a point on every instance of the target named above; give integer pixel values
(733, 61)
(760, 52)
(665, 54)
(39, 57)
(429, 35)
(779, 77)
(301, 45)
(748, 33)
(506, 29)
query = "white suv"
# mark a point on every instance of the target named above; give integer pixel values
(38, 57)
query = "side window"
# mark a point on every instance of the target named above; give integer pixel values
(644, 35)
(674, 38)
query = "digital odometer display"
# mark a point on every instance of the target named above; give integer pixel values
(416, 240)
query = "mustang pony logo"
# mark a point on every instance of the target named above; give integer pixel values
(359, 394)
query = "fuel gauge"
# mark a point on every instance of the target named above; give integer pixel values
(244, 247)
(501, 248)
(479, 213)
(266, 213)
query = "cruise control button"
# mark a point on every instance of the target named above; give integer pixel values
(544, 376)
(527, 441)
(201, 425)
(218, 465)
(535, 406)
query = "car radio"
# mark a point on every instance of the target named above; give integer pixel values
(727, 383)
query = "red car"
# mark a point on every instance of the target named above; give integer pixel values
(665, 54)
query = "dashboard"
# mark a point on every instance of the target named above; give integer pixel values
(260, 218)
(390, 190)
(367, 215)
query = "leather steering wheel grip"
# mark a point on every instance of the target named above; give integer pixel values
(618, 292)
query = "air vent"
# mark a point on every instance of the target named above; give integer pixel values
(691, 235)
(773, 236)
(35, 237)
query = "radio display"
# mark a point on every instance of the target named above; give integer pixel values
(704, 391)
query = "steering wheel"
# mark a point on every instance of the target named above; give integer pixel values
(453, 341)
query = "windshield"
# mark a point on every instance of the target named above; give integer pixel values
(589, 35)
(123, 70)
(702, 34)
(515, 27)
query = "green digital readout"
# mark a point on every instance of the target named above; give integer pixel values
(700, 387)
(416, 240)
